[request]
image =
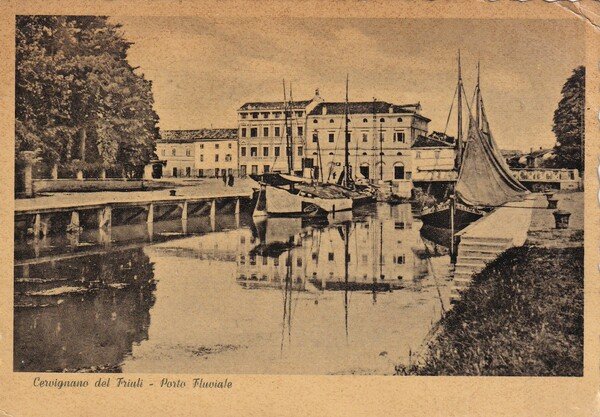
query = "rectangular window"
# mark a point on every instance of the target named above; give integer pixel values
(201, 158)
(399, 137)
(244, 115)
(277, 131)
(300, 130)
(365, 137)
(243, 151)
(229, 145)
(200, 172)
(330, 257)
(315, 137)
(255, 169)
(299, 114)
(173, 151)
(437, 154)
(277, 150)
(228, 157)
(399, 172)
(244, 132)
(216, 146)
(266, 151)
(299, 150)
(267, 168)
(332, 137)
(418, 154)
(265, 115)
(299, 262)
(243, 170)
(400, 259)
(164, 152)
(253, 151)
(382, 136)
(217, 158)
(188, 152)
(253, 132)
(266, 132)
(255, 115)
(265, 260)
(201, 146)
(399, 225)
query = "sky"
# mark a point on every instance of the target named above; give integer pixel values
(204, 70)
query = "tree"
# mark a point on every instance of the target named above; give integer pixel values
(569, 123)
(79, 103)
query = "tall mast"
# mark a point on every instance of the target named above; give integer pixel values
(346, 176)
(291, 106)
(459, 139)
(287, 135)
(478, 100)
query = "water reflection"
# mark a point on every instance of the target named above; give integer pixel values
(275, 295)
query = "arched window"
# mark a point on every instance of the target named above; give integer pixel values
(399, 154)
(399, 119)
(330, 153)
(382, 120)
(330, 120)
(364, 154)
(365, 120)
(315, 121)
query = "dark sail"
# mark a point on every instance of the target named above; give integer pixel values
(484, 179)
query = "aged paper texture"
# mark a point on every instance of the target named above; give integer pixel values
(299, 208)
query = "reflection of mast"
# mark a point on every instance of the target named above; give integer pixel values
(287, 301)
(346, 256)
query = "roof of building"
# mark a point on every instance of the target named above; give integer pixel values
(273, 105)
(365, 107)
(197, 135)
(430, 142)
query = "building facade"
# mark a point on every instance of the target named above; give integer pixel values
(198, 153)
(262, 136)
(434, 158)
(380, 136)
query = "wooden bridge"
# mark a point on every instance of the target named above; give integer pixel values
(69, 213)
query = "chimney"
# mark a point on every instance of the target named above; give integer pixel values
(324, 110)
(391, 110)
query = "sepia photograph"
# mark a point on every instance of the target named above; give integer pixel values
(299, 196)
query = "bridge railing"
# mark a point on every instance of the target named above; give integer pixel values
(546, 174)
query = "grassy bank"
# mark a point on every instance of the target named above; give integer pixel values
(522, 315)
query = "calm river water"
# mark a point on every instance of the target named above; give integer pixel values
(354, 295)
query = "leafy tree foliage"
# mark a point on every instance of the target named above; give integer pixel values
(79, 103)
(569, 122)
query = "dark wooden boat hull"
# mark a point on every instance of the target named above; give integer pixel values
(441, 218)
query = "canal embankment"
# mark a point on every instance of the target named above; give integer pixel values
(523, 313)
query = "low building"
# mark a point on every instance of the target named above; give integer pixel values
(198, 153)
(434, 158)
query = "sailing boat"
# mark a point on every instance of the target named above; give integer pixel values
(291, 195)
(484, 179)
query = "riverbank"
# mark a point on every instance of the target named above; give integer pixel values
(523, 314)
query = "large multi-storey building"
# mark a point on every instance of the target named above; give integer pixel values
(380, 136)
(198, 153)
(262, 135)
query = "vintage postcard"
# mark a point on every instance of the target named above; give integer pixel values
(277, 208)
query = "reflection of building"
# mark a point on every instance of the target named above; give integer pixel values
(198, 153)
(262, 135)
(380, 139)
(383, 250)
